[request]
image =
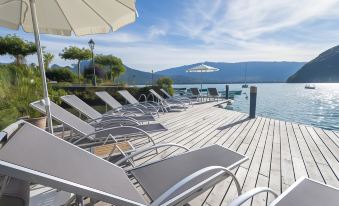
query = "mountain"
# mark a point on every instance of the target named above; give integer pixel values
(133, 76)
(324, 68)
(235, 72)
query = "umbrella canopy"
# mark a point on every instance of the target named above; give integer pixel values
(202, 68)
(64, 17)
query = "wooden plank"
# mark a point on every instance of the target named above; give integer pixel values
(287, 172)
(297, 160)
(333, 136)
(275, 169)
(327, 155)
(216, 195)
(106, 150)
(310, 164)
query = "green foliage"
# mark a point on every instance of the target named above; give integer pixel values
(55, 94)
(16, 47)
(75, 53)
(48, 58)
(99, 72)
(166, 83)
(60, 75)
(19, 86)
(114, 65)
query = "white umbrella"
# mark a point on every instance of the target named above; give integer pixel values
(202, 68)
(64, 17)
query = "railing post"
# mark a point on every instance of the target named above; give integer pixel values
(227, 91)
(253, 101)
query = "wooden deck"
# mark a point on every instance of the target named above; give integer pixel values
(279, 152)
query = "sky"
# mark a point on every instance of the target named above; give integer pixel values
(172, 33)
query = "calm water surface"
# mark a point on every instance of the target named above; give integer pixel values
(290, 102)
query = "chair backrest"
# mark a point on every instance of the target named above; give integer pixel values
(213, 91)
(195, 91)
(165, 93)
(108, 99)
(157, 95)
(60, 114)
(126, 95)
(81, 106)
(31, 154)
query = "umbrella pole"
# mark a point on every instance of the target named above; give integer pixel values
(41, 65)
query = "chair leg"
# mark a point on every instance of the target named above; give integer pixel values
(79, 201)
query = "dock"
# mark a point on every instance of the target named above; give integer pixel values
(279, 152)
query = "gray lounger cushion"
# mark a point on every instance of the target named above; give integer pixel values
(308, 193)
(51, 161)
(91, 113)
(157, 177)
(84, 128)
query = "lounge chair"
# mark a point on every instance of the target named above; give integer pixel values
(116, 106)
(95, 116)
(93, 132)
(195, 94)
(150, 106)
(213, 93)
(168, 104)
(56, 163)
(183, 99)
(304, 192)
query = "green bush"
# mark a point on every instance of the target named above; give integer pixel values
(61, 75)
(166, 83)
(19, 86)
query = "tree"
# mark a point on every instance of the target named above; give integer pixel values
(75, 53)
(48, 58)
(114, 64)
(16, 47)
(99, 72)
(60, 75)
(166, 83)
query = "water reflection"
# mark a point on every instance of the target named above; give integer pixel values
(291, 102)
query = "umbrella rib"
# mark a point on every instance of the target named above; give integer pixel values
(69, 23)
(125, 5)
(21, 23)
(89, 6)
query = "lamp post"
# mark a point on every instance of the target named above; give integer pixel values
(152, 78)
(91, 46)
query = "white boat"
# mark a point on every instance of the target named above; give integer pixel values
(309, 86)
(245, 85)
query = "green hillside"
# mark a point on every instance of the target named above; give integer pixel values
(324, 68)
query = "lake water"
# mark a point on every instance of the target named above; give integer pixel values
(290, 102)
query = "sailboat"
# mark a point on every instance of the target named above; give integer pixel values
(245, 85)
(309, 86)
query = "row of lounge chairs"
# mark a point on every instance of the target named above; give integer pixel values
(31, 155)
(212, 93)
(59, 164)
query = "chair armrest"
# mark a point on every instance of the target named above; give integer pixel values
(189, 178)
(248, 195)
(109, 133)
(137, 152)
(113, 118)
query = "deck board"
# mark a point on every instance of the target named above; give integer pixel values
(279, 152)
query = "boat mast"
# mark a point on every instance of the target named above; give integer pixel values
(246, 73)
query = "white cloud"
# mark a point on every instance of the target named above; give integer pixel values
(248, 19)
(219, 30)
(157, 31)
